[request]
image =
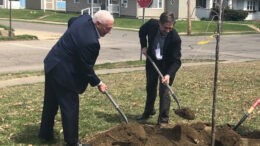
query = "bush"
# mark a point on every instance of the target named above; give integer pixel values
(205, 19)
(231, 15)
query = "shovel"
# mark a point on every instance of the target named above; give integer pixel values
(183, 112)
(116, 106)
(247, 114)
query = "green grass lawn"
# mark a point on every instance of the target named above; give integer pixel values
(18, 37)
(4, 27)
(23, 13)
(255, 23)
(239, 83)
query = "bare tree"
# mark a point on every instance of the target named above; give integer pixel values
(216, 73)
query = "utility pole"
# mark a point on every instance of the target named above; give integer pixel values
(189, 19)
(216, 74)
(92, 8)
(10, 20)
(44, 5)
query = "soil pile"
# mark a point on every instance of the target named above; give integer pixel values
(134, 134)
(185, 113)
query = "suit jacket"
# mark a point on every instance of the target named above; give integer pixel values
(171, 50)
(72, 58)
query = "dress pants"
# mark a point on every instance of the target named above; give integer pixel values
(68, 101)
(152, 78)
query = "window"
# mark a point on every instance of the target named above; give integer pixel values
(76, 1)
(258, 6)
(251, 5)
(124, 3)
(94, 1)
(201, 3)
(1, 2)
(156, 4)
(113, 2)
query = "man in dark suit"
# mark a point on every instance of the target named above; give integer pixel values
(68, 70)
(164, 47)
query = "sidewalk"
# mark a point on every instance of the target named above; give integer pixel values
(38, 79)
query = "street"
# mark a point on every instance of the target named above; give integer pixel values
(120, 46)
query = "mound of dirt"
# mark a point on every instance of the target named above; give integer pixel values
(185, 113)
(134, 134)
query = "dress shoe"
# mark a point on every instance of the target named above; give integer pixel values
(146, 115)
(153, 112)
(143, 117)
(46, 138)
(79, 144)
(162, 122)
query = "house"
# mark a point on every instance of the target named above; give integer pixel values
(203, 7)
(16, 4)
(129, 8)
(46, 4)
(252, 6)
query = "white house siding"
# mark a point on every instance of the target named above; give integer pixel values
(151, 12)
(2, 3)
(6, 3)
(253, 16)
(173, 7)
(183, 9)
(131, 9)
(209, 4)
(77, 7)
(15, 4)
(240, 5)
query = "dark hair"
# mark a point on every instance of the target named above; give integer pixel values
(167, 17)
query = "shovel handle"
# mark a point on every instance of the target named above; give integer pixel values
(116, 106)
(166, 84)
(247, 113)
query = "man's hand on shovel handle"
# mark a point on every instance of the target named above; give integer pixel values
(102, 87)
(166, 79)
(144, 51)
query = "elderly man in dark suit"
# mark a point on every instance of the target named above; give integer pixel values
(164, 47)
(68, 70)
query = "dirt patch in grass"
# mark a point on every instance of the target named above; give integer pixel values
(135, 134)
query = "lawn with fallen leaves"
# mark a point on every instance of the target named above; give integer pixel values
(239, 83)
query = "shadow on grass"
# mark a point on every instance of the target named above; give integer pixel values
(29, 135)
(117, 118)
(246, 132)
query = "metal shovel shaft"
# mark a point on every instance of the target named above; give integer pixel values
(247, 113)
(166, 84)
(116, 106)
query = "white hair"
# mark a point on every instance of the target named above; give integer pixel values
(102, 16)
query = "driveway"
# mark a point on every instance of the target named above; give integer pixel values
(119, 46)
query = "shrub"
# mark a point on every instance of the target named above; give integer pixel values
(230, 15)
